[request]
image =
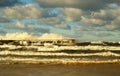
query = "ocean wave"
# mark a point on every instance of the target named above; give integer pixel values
(57, 54)
(61, 58)
(13, 60)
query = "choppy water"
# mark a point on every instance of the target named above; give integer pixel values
(63, 56)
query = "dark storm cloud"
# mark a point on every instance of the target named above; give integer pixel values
(4, 3)
(83, 4)
(8, 2)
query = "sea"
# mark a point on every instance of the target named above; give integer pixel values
(60, 70)
(31, 62)
(61, 56)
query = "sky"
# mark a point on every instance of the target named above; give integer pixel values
(86, 20)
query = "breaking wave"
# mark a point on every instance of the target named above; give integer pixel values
(57, 53)
(55, 57)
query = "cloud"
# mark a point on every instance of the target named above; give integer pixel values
(114, 25)
(50, 21)
(4, 20)
(84, 4)
(112, 17)
(60, 21)
(55, 22)
(39, 30)
(71, 14)
(104, 19)
(98, 36)
(109, 13)
(20, 25)
(63, 26)
(18, 36)
(92, 21)
(8, 2)
(112, 1)
(24, 12)
(1, 37)
(68, 17)
(26, 36)
(52, 36)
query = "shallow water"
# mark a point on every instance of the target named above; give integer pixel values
(60, 70)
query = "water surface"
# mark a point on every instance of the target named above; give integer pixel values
(60, 70)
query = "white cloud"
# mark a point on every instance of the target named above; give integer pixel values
(53, 22)
(92, 21)
(26, 36)
(108, 18)
(107, 14)
(18, 36)
(24, 11)
(114, 25)
(52, 36)
(20, 25)
(1, 36)
(71, 14)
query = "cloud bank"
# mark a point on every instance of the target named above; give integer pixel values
(81, 19)
(26, 36)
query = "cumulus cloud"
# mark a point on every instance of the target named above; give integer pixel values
(107, 19)
(92, 21)
(68, 17)
(52, 36)
(114, 25)
(71, 14)
(24, 11)
(56, 22)
(26, 36)
(17, 36)
(82, 35)
(112, 17)
(21, 26)
(107, 14)
(65, 15)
